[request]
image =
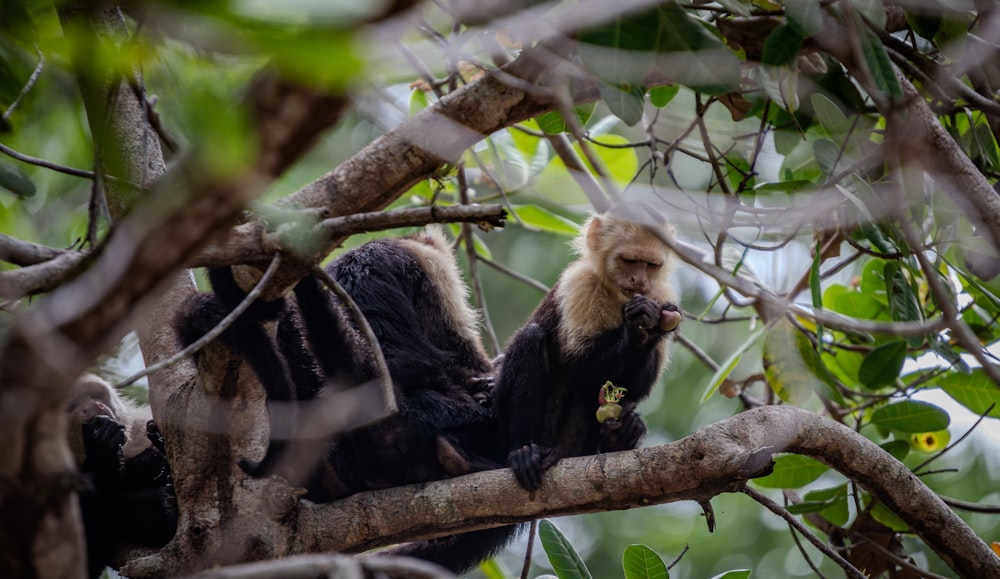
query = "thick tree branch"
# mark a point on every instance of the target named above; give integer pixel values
(716, 459)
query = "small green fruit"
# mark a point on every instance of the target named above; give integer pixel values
(610, 411)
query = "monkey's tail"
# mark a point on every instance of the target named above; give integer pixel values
(460, 553)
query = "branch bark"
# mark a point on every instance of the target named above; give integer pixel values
(718, 458)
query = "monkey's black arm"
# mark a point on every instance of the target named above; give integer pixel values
(103, 439)
(524, 387)
(246, 336)
(523, 404)
(335, 347)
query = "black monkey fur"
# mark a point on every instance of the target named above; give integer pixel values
(127, 499)
(412, 295)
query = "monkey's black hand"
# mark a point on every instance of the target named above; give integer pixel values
(481, 389)
(103, 439)
(155, 436)
(624, 433)
(642, 316)
(530, 462)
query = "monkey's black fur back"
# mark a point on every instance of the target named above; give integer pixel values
(409, 291)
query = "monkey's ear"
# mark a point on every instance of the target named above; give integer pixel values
(594, 227)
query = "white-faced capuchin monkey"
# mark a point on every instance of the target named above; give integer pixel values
(604, 320)
(127, 499)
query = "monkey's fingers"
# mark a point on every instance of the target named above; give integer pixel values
(530, 462)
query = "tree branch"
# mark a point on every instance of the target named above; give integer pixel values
(718, 458)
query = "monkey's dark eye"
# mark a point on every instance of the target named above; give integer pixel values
(628, 261)
(654, 266)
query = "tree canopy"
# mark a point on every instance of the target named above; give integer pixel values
(830, 169)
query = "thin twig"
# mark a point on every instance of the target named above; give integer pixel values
(45, 164)
(214, 333)
(777, 509)
(27, 85)
(518, 276)
(527, 552)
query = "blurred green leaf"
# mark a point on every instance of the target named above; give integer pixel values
(418, 101)
(897, 448)
(911, 416)
(827, 154)
(835, 503)
(726, 368)
(735, 574)
(792, 471)
(882, 514)
(660, 96)
(878, 62)
(903, 302)
(882, 365)
(544, 220)
(789, 363)
(975, 391)
(553, 122)
(782, 46)
(624, 100)
(565, 561)
(830, 117)
(13, 179)
(641, 562)
(491, 569)
(805, 15)
(872, 10)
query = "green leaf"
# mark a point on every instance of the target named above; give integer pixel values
(830, 503)
(544, 220)
(641, 562)
(926, 21)
(13, 179)
(805, 15)
(727, 367)
(911, 416)
(621, 51)
(693, 56)
(882, 514)
(792, 471)
(553, 123)
(873, 10)
(625, 101)
(827, 154)
(782, 46)
(565, 561)
(882, 365)
(903, 302)
(734, 574)
(418, 101)
(829, 115)
(491, 569)
(660, 96)
(897, 448)
(878, 62)
(975, 391)
(788, 370)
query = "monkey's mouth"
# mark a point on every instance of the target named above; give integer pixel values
(629, 292)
